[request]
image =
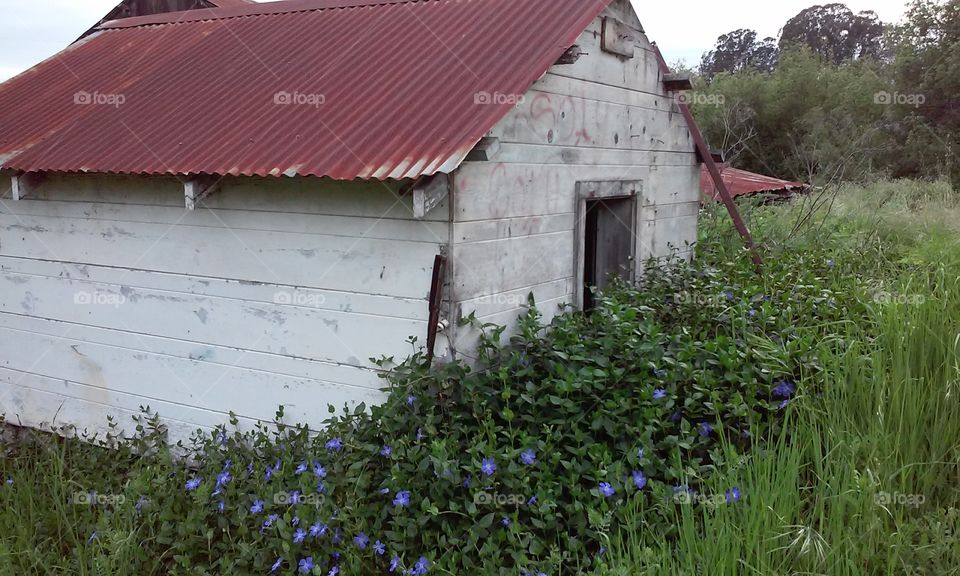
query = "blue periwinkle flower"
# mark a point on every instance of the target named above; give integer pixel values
(193, 484)
(639, 479)
(335, 444)
(606, 489)
(488, 466)
(528, 457)
(306, 565)
(705, 429)
(402, 500)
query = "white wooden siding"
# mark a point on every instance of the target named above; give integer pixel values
(113, 296)
(514, 217)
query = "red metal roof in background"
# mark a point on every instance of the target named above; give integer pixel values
(743, 183)
(379, 88)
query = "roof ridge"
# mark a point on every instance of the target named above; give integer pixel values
(252, 9)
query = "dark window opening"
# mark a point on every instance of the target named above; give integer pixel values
(608, 245)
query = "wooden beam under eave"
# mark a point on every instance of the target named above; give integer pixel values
(677, 82)
(429, 193)
(25, 184)
(197, 189)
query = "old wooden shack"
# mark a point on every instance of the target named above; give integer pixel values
(236, 208)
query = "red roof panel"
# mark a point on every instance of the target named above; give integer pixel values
(338, 88)
(742, 183)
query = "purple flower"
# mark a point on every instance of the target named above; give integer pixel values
(639, 479)
(295, 497)
(505, 522)
(532, 501)
(379, 548)
(141, 501)
(295, 522)
(659, 393)
(420, 434)
(334, 571)
(268, 522)
(784, 404)
(361, 540)
(318, 530)
(705, 429)
(221, 506)
(783, 389)
(193, 484)
(306, 565)
(257, 507)
(276, 565)
(335, 444)
(733, 495)
(607, 490)
(301, 468)
(319, 470)
(394, 563)
(402, 500)
(467, 481)
(420, 567)
(640, 453)
(299, 535)
(386, 451)
(223, 479)
(384, 490)
(528, 457)
(488, 466)
(411, 400)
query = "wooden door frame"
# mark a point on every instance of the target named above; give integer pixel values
(601, 190)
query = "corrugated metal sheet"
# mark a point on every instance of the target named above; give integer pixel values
(743, 183)
(376, 89)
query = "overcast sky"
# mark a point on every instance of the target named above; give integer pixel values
(36, 29)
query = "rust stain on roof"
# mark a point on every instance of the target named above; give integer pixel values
(338, 88)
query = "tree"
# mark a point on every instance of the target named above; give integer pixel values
(835, 33)
(928, 77)
(739, 51)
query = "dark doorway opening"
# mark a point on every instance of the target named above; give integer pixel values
(608, 245)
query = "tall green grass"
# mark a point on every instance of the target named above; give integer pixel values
(868, 479)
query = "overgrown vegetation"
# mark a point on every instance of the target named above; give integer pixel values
(839, 97)
(709, 421)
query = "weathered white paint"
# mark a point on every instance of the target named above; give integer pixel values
(606, 117)
(278, 291)
(113, 296)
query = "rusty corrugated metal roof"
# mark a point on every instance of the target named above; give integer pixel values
(743, 183)
(339, 88)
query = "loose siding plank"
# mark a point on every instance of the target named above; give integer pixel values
(103, 371)
(350, 264)
(347, 375)
(262, 292)
(301, 331)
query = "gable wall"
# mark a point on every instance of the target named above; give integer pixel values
(514, 218)
(113, 296)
